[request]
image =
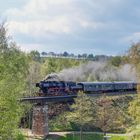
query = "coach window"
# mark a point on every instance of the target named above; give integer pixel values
(90, 86)
(97, 86)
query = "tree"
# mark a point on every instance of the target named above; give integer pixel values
(34, 75)
(65, 54)
(108, 116)
(134, 106)
(115, 61)
(53, 65)
(134, 109)
(82, 111)
(49, 66)
(79, 55)
(84, 55)
(13, 73)
(134, 57)
(134, 53)
(44, 53)
(35, 55)
(134, 112)
(90, 56)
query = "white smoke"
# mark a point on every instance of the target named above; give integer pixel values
(98, 71)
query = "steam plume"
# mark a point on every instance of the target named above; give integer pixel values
(98, 71)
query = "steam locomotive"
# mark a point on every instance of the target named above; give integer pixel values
(50, 88)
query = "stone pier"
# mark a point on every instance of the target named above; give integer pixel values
(40, 120)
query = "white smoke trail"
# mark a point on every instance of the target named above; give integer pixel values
(98, 71)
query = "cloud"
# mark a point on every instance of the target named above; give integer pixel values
(103, 26)
(34, 18)
(29, 47)
(49, 16)
(40, 28)
(134, 37)
(36, 7)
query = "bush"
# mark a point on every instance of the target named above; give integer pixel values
(20, 136)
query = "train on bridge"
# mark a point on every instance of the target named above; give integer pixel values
(52, 88)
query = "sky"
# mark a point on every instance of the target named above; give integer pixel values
(77, 26)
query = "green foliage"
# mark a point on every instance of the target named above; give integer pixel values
(112, 115)
(134, 57)
(53, 65)
(20, 136)
(87, 136)
(34, 76)
(13, 71)
(60, 123)
(35, 56)
(135, 135)
(118, 138)
(82, 111)
(108, 116)
(115, 61)
(134, 53)
(134, 132)
(134, 109)
(134, 106)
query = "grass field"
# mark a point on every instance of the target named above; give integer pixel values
(72, 136)
(85, 137)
